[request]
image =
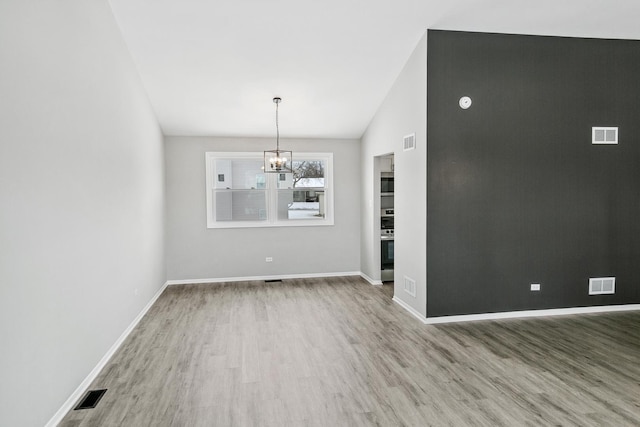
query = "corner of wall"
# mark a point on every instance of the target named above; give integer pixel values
(403, 111)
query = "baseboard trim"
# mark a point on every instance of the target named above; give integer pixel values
(532, 313)
(82, 388)
(516, 314)
(410, 309)
(254, 278)
(370, 280)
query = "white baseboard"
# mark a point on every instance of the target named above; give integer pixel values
(82, 388)
(516, 314)
(410, 309)
(370, 280)
(254, 278)
(532, 313)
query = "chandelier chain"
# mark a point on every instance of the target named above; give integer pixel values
(277, 129)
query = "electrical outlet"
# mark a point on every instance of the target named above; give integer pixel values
(268, 259)
(535, 286)
(135, 292)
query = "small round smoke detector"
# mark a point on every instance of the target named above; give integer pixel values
(465, 102)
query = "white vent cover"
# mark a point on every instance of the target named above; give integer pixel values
(410, 286)
(409, 142)
(604, 135)
(602, 285)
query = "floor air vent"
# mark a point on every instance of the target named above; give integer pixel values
(602, 285)
(273, 281)
(91, 399)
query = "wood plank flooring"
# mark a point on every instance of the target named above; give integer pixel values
(339, 352)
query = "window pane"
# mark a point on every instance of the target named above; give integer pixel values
(240, 205)
(239, 174)
(307, 203)
(306, 174)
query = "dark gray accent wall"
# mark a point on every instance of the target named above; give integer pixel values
(516, 192)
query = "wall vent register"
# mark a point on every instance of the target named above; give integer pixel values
(410, 286)
(604, 135)
(602, 285)
(409, 142)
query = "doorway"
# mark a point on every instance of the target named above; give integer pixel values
(385, 219)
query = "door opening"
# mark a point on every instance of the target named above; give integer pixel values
(387, 218)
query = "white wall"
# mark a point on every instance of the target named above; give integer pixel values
(196, 252)
(82, 200)
(404, 111)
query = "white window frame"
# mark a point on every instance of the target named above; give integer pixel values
(271, 192)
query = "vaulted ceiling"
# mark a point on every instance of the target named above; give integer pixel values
(212, 67)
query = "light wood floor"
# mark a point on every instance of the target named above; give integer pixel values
(339, 352)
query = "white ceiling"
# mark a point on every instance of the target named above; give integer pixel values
(211, 67)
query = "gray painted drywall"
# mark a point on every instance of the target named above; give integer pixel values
(404, 111)
(82, 200)
(197, 252)
(517, 193)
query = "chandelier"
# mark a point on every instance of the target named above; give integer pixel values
(278, 161)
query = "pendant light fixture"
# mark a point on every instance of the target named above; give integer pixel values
(278, 161)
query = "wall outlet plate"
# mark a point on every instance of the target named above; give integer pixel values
(268, 259)
(535, 286)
